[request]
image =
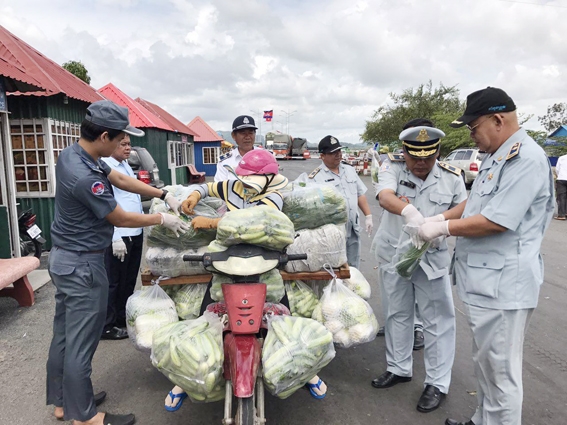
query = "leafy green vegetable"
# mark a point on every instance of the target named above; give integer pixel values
(410, 260)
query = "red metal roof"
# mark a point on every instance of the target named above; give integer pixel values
(167, 117)
(205, 133)
(20, 59)
(139, 115)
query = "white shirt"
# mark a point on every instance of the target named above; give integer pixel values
(561, 168)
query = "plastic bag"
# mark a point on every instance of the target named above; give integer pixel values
(274, 286)
(324, 245)
(188, 300)
(169, 261)
(190, 354)
(260, 225)
(358, 284)
(311, 205)
(349, 318)
(294, 351)
(302, 299)
(148, 310)
(408, 255)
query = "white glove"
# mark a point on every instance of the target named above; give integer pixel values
(119, 249)
(412, 216)
(173, 203)
(368, 224)
(432, 230)
(173, 223)
(432, 219)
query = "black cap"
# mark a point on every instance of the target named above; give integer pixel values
(108, 114)
(242, 122)
(329, 144)
(485, 102)
(421, 141)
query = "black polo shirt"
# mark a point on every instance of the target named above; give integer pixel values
(83, 198)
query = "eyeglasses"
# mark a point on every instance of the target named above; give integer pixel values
(474, 127)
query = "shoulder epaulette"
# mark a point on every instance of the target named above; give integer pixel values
(225, 156)
(314, 172)
(346, 163)
(396, 157)
(514, 150)
(449, 168)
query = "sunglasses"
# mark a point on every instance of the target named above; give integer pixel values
(474, 127)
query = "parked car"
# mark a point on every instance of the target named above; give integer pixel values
(145, 169)
(468, 160)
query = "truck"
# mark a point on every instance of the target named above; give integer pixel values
(287, 147)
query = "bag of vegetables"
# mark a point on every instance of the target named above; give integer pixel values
(294, 351)
(311, 205)
(358, 284)
(190, 354)
(274, 286)
(323, 245)
(302, 299)
(409, 252)
(261, 225)
(349, 318)
(148, 310)
(188, 300)
(164, 261)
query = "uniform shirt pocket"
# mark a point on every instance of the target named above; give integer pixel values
(441, 201)
(484, 272)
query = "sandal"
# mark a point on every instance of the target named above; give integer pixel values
(312, 391)
(181, 396)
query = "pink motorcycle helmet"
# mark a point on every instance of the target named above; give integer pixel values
(257, 161)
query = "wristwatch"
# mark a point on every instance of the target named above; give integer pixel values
(163, 195)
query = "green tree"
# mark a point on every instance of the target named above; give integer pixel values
(441, 104)
(555, 117)
(78, 70)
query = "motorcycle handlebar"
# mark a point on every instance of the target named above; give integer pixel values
(193, 257)
(293, 257)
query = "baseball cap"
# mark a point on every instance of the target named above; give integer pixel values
(242, 122)
(108, 114)
(329, 144)
(421, 141)
(490, 100)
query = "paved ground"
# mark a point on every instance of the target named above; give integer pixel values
(133, 385)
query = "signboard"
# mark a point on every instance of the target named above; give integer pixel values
(3, 102)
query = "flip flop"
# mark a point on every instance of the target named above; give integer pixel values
(180, 396)
(312, 391)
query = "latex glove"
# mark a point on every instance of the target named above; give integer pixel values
(200, 222)
(173, 203)
(432, 230)
(368, 224)
(173, 223)
(432, 219)
(412, 216)
(190, 203)
(119, 249)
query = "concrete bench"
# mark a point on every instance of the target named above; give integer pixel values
(14, 271)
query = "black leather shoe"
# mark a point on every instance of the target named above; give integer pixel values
(110, 419)
(454, 422)
(99, 398)
(381, 332)
(418, 340)
(388, 379)
(430, 399)
(114, 334)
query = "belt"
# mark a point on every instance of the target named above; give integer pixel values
(98, 251)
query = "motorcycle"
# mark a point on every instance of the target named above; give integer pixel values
(246, 309)
(31, 241)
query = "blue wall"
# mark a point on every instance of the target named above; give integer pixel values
(209, 169)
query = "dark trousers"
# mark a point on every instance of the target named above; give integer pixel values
(122, 277)
(561, 198)
(80, 308)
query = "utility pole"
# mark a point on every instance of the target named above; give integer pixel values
(287, 115)
(259, 119)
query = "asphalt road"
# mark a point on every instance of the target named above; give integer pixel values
(133, 385)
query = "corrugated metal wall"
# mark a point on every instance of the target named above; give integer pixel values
(209, 169)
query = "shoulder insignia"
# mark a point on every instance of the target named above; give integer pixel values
(225, 156)
(314, 172)
(450, 168)
(396, 157)
(514, 150)
(346, 163)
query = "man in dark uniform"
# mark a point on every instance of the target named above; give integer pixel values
(85, 215)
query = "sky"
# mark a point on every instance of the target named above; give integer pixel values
(322, 66)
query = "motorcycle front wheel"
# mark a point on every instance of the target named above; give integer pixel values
(29, 246)
(245, 411)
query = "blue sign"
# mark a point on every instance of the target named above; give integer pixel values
(3, 102)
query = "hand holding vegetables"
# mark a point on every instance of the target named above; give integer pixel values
(412, 216)
(432, 230)
(172, 202)
(189, 204)
(173, 223)
(201, 222)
